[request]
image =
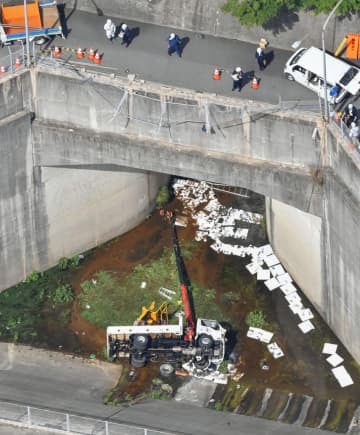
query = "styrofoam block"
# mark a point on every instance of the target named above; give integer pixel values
(293, 297)
(266, 249)
(306, 326)
(305, 314)
(334, 359)
(329, 348)
(342, 376)
(263, 274)
(296, 307)
(284, 278)
(277, 270)
(288, 288)
(271, 260)
(272, 284)
(275, 350)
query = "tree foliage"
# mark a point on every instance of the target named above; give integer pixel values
(259, 12)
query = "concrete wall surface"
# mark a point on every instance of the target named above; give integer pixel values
(49, 213)
(206, 17)
(140, 125)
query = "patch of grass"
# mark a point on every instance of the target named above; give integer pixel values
(243, 285)
(61, 295)
(255, 318)
(163, 197)
(117, 300)
(234, 394)
(336, 416)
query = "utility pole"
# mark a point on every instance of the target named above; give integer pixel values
(327, 112)
(27, 35)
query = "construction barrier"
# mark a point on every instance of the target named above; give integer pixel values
(353, 46)
(80, 53)
(17, 62)
(97, 58)
(2, 69)
(91, 54)
(217, 73)
(255, 83)
(57, 51)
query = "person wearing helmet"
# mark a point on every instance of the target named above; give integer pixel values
(237, 78)
(125, 34)
(174, 44)
(354, 131)
(110, 30)
(350, 115)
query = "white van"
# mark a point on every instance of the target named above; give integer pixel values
(306, 67)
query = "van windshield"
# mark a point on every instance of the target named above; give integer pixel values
(297, 56)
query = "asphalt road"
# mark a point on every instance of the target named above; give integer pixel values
(147, 58)
(61, 382)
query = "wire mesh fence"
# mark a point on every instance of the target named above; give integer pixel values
(62, 422)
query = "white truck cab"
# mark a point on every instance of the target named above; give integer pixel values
(306, 66)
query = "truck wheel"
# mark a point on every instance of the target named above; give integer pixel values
(140, 341)
(289, 77)
(203, 364)
(166, 369)
(205, 341)
(138, 361)
(41, 40)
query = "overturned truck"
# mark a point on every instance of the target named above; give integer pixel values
(200, 342)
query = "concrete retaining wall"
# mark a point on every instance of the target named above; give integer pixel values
(206, 17)
(49, 213)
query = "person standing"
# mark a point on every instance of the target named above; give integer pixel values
(237, 78)
(261, 58)
(110, 30)
(125, 34)
(350, 115)
(174, 44)
(354, 131)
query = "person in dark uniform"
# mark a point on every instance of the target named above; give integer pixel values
(174, 44)
(237, 78)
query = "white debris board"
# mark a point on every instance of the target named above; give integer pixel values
(334, 359)
(252, 268)
(329, 348)
(305, 314)
(342, 376)
(288, 288)
(271, 260)
(306, 326)
(275, 350)
(259, 334)
(263, 274)
(272, 284)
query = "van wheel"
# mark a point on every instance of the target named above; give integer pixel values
(138, 361)
(289, 77)
(140, 341)
(166, 369)
(205, 341)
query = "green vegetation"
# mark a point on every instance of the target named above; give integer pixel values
(234, 394)
(255, 318)
(260, 12)
(24, 306)
(111, 299)
(66, 263)
(163, 197)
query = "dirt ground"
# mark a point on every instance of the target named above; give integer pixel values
(303, 370)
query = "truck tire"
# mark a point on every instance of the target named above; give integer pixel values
(202, 364)
(166, 369)
(289, 77)
(140, 341)
(138, 360)
(205, 342)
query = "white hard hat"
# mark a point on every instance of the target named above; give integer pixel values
(123, 26)
(350, 106)
(353, 124)
(172, 35)
(237, 69)
(108, 21)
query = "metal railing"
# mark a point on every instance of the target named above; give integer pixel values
(27, 416)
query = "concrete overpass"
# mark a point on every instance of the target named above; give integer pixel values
(70, 139)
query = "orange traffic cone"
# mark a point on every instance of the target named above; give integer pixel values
(97, 58)
(17, 62)
(255, 83)
(80, 54)
(91, 54)
(2, 69)
(57, 51)
(217, 73)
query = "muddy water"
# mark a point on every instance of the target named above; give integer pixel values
(297, 388)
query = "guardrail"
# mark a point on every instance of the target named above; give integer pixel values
(27, 416)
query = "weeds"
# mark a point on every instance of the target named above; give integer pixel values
(255, 319)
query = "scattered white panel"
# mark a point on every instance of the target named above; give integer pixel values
(266, 250)
(275, 350)
(288, 288)
(277, 270)
(296, 307)
(334, 359)
(252, 268)
(306, 326)
(259, 334)
(342, 376)
(271, 260)
(329, 348)
(263, 274)
(284, 278)
(241, 233)
(293, 297)
(305, 314)
(272, 284)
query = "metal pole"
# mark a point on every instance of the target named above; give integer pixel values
(327, 112)
(27, 63)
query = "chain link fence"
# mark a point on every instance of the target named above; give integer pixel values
(64, 423)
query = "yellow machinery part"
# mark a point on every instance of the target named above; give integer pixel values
(341, 47)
